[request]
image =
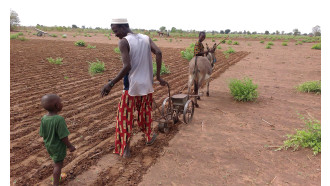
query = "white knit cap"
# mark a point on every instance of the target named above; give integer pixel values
(119, 21)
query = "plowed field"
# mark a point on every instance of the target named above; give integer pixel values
(89, 117)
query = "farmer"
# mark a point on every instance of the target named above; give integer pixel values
(137, 75)
(55, 133)
(199, 47)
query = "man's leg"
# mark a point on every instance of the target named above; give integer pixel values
(57, 172)
(124, 123)
(144, 107)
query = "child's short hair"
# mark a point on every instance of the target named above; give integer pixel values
(48, 101)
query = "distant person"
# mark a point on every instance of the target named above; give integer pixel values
(199, 47)
(55, 133)
(137, 74)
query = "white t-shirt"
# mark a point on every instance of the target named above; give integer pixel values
(141, 74)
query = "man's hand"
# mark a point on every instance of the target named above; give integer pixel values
(105, 90)
(72, 148)
(161, 81)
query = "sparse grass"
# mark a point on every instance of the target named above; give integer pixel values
(20, 33)
(229, 42)
(270, 43)
(317, 46)
(236, 43)
(171, 40)
(80, 43)
(56, 61)
(310, 86)
(249, 44)
(229, 51)
(163, 69)
(309, 137)
(213, 40)
(13, 36)
(299, 43)
(154, 39)
(268, 47)
(218, 47)
(117, 50)
(262, 41)
(284, 44)
(64, 36)
(96, 67)
(243, 90)
(66, 77)
(188, 54)
(90, 46)
(53, 35)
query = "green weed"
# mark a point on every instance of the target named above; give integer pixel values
(317, 46)
(284, 44)
(56, 61)
(218, 47)
(96, 67)
(229, 51)
(188, 54)
(154, 39)
(80, 43)
(310, 137)
(13, 36)
(236, 43)
(270, 43)
(163, 69)
(22, 38)
(243, 90)
(117, 50)
(268, 47)
(310, 86)
(53, 35)
(90, 46)
(262, 41)
(229, 42)
(64, 36)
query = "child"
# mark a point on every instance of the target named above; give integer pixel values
(55, 133)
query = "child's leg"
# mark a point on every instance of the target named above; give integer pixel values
(57, 172)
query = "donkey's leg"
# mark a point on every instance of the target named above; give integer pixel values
(190, 80)
(196, 92)
(208, 93)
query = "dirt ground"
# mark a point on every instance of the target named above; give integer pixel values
(228, 143)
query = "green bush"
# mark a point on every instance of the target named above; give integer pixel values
(80, 43)
(96, 67)
(64, 36)
(117, 50)
(236, 43)
(155, 39)
(243, 90)
(213, 40)
(13, 36)
(229, 51)
(317, 46)
(310, 86)
(268, 47)
(223, 41)
(171, 40)
(22, 38)
(188, 54)
(299, 43)
(308, 137)
(218, 47)
(90, 46)
(284, 44)
(163, 69)
(53, 35)
(20, 33)
(229, 42)
(262, 41)
(56, 61)
(270, 43)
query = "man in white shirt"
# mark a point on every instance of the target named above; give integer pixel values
(137, 73)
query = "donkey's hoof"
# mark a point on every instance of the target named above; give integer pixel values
(207, 94)
(196, 105)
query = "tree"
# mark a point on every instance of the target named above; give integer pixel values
(173, 29)
(227, 31)
(14, 20)
(74, 26)
(83, 27)
(162, 28)
(248, 33)
(296, 32)
(277, 32)
(254, 32)
(282, 32)
(266, 32)
(222, 32)
(317, 30)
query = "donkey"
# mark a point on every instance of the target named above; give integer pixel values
(200, 70)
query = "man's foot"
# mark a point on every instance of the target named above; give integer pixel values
(127, 152)
(152, 139)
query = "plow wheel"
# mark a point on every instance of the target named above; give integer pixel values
(163, 126)
(167, 110)
(188, 111)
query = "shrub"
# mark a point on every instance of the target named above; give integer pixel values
(155, 39)
(229, 51)
(171, 40)
(310, 86)
(56, 61)
(284, 44)
(163, 69)
(80, 43)
(236, 43)
(188, 54)
(117, 50)
(20, 33)
(308, 137)
(317, 46)
(13, 36)
(270, 43)
(262, 41)
(229, 42)
(243, 90)
(53, 35)
(223, 41)
(96, 67)
(299, 43)
(22, 38)
(64, 36)
(218, 47)
(268, 47)
(213, 40)
(90, 46)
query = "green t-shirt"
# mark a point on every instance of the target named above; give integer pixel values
(53, 129)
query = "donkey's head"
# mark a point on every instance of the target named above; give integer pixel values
(211, 55)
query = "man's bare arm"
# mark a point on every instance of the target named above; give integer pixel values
(158, 53)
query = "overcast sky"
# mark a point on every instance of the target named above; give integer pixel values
(236, 15)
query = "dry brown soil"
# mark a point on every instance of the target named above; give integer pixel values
(228, 143)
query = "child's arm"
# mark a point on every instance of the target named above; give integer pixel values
(68, 144)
